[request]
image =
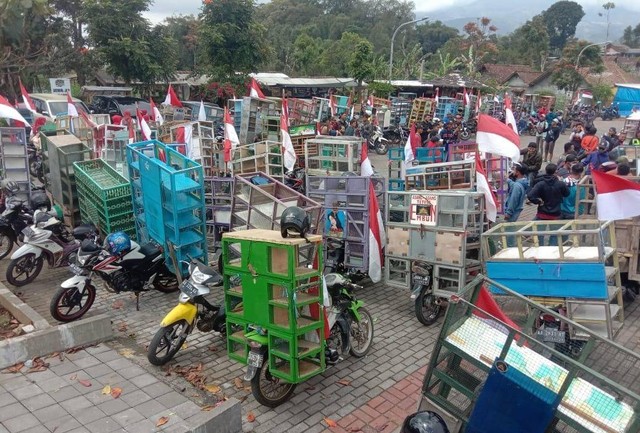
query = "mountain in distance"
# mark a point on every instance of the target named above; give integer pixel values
(508, 16)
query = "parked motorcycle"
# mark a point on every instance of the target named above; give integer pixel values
(36, 168)
(611, 112)
(192, 311)
(467, 129)
(351, 332)
(295, 180)
(427, 306)
(14, 219)
(48, 238)
(123, 265)
(551, 330)
(396, 136)
(377, 141)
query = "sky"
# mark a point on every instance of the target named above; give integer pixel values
(165, 8)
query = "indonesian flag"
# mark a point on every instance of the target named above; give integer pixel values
(254, 90)
(143, 125)
(288, 152)
(8, 112)
(482, 184)
(478, 102)
(409, 155)
(71, 107)
(155, 113)
(377, 236)
(437, 98)
(172, 98)
(332, 105)
(26, 98)
(131, 128)
(370, 101)
(509, 118)
(90, 123)
(496, 138)
(616, 198)
(202, 114)
(465, 96)
(230, 136)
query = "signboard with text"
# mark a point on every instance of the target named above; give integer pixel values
(424, 208)
(60, 85)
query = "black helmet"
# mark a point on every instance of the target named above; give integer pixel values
(294, 219)
(424, 422)
(11, 186)
(40, 200)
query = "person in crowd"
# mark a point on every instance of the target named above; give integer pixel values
(541, 128)
(343, 121)
(351, 129)
(366, 129)
(551, 115)
(589, 142)
(553, 133)
(565, 164)
(595, 160)
(449, 135)
(622, 137)
(547, 194)
(532, 160)
(623, 170)
(435, 155)
(568, 206)
(518, 185)
(611, 139)
(576, 135)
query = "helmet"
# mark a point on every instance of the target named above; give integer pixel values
(11, 186)
(118, 242)
(40, 200)
(294, 219)
(424, 422)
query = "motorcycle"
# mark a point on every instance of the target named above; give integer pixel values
(136, 270)
(377, 141)
(14, 219)
(467, 129)
(47, 238)
(351, 332)
(193, 310)
(396, 136)
(295, 180)
(36, 168)
(611, 112)
(552, 330)
(427, 306)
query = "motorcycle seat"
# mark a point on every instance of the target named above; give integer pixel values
(88, 246)
(150, 250)
(83, 231)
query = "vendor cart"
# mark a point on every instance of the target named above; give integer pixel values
(543, 389)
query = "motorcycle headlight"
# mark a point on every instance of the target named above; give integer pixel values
(198, 277)
(81, 259)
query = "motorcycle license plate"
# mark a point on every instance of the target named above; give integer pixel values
(417, 279)
(255, 359)
(551, 335)
(77, 270)
(189, 289)
(28, 232)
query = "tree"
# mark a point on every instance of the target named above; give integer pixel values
(528, 44)
(566, 76)
(444, 66)
(232, 41)
(361, 62)
(184, 31)
(602, 92)
(307, 52)
(433, 35)
(607, 7)
(336, 56)
(631, 37)
(561, 19)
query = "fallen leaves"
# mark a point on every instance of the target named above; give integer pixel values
(213, 406)
(193, 375)
(238, 383)
(126, 352)
(213, 389)
(162, 421)
(344, 382)
(330, 423)
(123, 327)
(354, 429)
(37, 365)
(213, 348)
(117, 304)
(116, 392)
(251, 417)
(106, 390)
(14, 368)
(84, 382)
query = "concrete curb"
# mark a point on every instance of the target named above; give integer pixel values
(55, 339)
(226, 418)
(21, 311)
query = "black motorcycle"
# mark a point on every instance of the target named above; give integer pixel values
(427, 306)
(396, 135)
(296, 179)
(14, 219)
(36, 167)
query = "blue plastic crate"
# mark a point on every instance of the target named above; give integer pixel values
(396, 154)
(396, 185)
(426, 155)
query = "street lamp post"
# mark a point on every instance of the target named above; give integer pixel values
(588, 46)
(394, 37)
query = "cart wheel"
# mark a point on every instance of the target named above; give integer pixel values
(268, 390)
(427, 310)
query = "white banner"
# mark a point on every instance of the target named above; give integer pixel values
(60, 85)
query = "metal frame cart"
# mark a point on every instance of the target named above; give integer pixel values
(582, 273)
(326, 156)
(273, 283)
(444, 175)
(15, 160)
(441, 228)
(263, 156)
(587, 395)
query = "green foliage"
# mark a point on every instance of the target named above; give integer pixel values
(183, 31)
(631, 37)
(565, 75)
(360, 64)
(336, 57)
(433, 35)
(444, 65)
(306, 55)
(561, 20)
(527, 45)
(381, 88)
(602, 92)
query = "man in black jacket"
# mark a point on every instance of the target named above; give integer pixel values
(548, 194)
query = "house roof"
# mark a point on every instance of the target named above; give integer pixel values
(457, 81)
(282, 80)
(501, 73)
(530, 78)
(611, 75)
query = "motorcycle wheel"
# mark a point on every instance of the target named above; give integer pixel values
(268, 390)
(6, 245)
(427, 311)
(70, 298)
(381, 148)
(361, 334)
(33, 168)
(165, 282)
(24, 270)
(167, 341)
(465, 135)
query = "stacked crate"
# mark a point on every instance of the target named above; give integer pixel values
(270, 130)
(419, 108)
(439, 228)
(273, 284)
(15, 160)
(400, 110)
(253, 111)
(104, 197)
(203, 147)
(444, 175)
(396, 169)
(113, 148)
(345, 216)
(333, 155)
(168, 200)
(446, 106)
(217, 202)
(303, 111)
(264, 156)
(59, 152)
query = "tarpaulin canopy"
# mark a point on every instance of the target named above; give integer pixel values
(627, 97)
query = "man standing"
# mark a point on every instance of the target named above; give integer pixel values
(541, 128)
(550, 140)
(568, 206)
(548, 194)
(518, 185)
(611, 139)
(564, 166)
(595, 159)
(532, 161)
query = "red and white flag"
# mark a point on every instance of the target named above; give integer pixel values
(143, 125)
(184, 135)
(155, 113)
(333, 108)
(409, 146)
(496, 138)
(377, 236)
(478, 102)
(202, 114)
(288, 152)
(26, 98)
(616, 198)
(172, 98)
(509, 118)
(8, 112)
(465, 96)
(370, 101)
(437, 98)
(71, 106)
(482, 185)
(90, 123)
(230, 136)
(254, 89)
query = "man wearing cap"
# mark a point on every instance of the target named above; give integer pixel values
(553, 132)
(595, 160)
(532, 161)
